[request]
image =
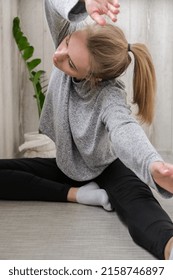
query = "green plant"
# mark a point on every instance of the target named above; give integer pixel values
(26, 50)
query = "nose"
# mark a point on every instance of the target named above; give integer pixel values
(60, 53)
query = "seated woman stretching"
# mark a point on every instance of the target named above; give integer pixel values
(103, 156)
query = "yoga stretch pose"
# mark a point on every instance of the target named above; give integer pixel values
(103, 156)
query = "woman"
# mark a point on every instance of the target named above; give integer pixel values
(101, 148)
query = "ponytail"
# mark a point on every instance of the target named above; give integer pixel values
(144, 82)
(109, 50)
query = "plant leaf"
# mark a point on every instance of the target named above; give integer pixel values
(16, 25)
(40, 98)
(28, 52)
(33, 63)
(17, 32)
(38, 75)
(23, 43)
(18, 35)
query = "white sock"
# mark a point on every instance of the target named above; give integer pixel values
(90, 186)
(91, 194)
(171, 255)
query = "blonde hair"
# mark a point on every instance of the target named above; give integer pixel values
(110, 58)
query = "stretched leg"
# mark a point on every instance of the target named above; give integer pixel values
(33, 179)
(41, 179)
(148, 224)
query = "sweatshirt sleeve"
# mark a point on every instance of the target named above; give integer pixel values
(129, 141)
(64, 17)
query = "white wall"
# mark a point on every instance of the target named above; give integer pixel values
(8, 82)
(151, 22)
(146, 21)
(34, 26)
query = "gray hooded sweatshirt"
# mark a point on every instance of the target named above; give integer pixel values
(91, 128)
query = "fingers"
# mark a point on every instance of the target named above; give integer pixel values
(98, 8)
(98, 18)
(115, 3)
(113, 10)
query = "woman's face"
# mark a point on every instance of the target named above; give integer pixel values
(72, 56)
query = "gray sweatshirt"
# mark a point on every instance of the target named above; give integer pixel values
(90, 127)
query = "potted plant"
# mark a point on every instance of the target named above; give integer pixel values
(35, 144)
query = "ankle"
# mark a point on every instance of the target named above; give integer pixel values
(71, 196)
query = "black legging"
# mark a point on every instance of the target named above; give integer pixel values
(40, 179)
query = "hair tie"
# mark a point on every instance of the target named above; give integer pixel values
(129, 48)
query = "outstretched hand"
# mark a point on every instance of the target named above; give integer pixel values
(97, 8)
(162, 174)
